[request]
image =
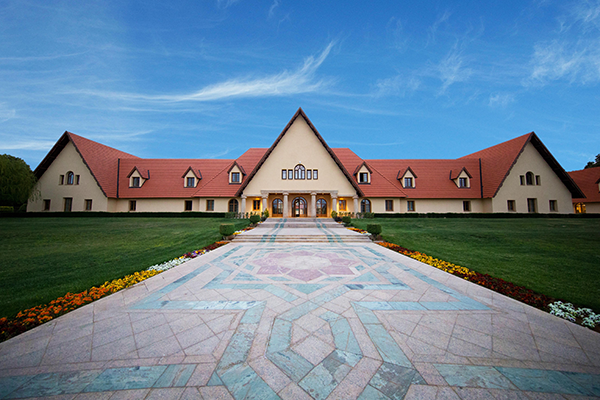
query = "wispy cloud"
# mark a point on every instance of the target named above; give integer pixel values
(500, 99)
(6, 113)
(272, 8)
(398, 85)
(27, 145)
(399, 38)
(451, 69)
(432, 31)
(226, 3)
(285, 83)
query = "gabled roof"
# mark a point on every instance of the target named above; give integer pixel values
(455, 173)
(235, 164)
(401, 173)
(359, 167)
(144, 173)
(198, 175)
(498, 160)
(587, 180)
(299, 113)
(101, 160)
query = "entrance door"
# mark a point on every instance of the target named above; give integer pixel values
(299, 207)
(321, 208)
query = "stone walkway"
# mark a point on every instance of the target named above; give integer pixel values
(266, 317)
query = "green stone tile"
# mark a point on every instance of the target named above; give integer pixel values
(126, 378)
(52, 384)
(589, 382)
(175, 376)
(11, 383)
(539, 380)
(473, 376)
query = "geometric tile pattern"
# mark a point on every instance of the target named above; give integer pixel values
(298, 320)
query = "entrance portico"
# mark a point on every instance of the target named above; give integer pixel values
(300, 203)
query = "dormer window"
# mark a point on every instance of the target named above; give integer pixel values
(137, 178)
(461, 178)
(190, 182)
(363, 177)
(407, 178)
(363, 173)
(463, 182)
(191, 178)
(408, 182)
(135, 182)
(235, 177)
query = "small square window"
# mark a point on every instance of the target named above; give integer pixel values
(553, 206)
(88, 205)
(363, 177)
(210, 205)
(290, 174)
(46, 205)
(466, 206)
(132, 205)
(255, 205)
(410, 205)
(135, 182)
(315, 174)
(235, 177)
(284, 174)
(463, 182)
(61, 180)
(191, 182)
(510, 205)
(308, 174)
(188, 205)
(522, 178)
(408, 182)
(389, 205)
(77, 179)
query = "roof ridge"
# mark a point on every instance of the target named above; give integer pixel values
(385, 178)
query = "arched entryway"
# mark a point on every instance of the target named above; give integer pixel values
(321, 208)
(299, 207)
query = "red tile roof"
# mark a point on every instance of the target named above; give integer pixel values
(587, 180)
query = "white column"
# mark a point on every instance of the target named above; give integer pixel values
(313, 205)
(356, 209)
(334, 203)
(265, 199)
(286, 208)
(243, 209)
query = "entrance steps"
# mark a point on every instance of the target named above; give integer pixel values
(301, 230)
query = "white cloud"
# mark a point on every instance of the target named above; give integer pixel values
(226, 3)
(273, 7)
(28, 145)
(432, 31)
(397, 85)
(501, 100)
(284, 83)
(7, 113)
(451, 69)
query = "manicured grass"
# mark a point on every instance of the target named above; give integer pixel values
(44, 258)
(555, 257)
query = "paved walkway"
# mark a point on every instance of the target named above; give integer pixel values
(269, 319)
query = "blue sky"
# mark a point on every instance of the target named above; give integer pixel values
(210, 79)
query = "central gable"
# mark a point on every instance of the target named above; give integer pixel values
(299, 147)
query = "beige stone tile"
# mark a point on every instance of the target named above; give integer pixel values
(272, 375)
(294, 392)
(313, 349)
(201, 374)
(215, 392)
(421, 392)
(137, 394)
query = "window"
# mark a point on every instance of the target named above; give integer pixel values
(321, 208)
(308, 174)
(290, 174)
(299, 171)
(315, 174)
(135, 182)
(510, 205)
(70, 178)
(529, 178)
(408, 182)
(210, 205)
(342, 205)
(233, 206)
(363, 177)
(132, 205)
(277, 207)
(77, 179)
(532, 205)
(522, 177)
(410, 205)
(190, 182)
(68, 204)
(88, 205)
(188, 205)
(389, 205)
(235, 177)
(365, 206)
(46, 205)
(463, 182)
(553, 206)
(61, 180)
(466, 206)
(283, 174)
(538, 180)
(255, 205)
(580, 208)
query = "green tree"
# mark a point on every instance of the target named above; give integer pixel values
(17, 181)
(592, 164)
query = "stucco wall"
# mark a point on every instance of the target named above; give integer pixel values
(428, 205)
(49, 187)
(168, 205)
(299, 146)
(551, 187)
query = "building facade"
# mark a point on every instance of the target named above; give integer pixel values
(301, 176)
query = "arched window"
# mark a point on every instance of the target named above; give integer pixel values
(365, 206)
(233, 205)
(70, 178)
(299, 172)
(277, 207)
(529, 178)
(321, 208)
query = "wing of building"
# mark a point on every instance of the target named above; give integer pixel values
(589, 181)
(300, 175)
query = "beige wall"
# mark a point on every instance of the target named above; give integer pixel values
(299, 146)
(168, 205)
(427, 205)
(49, 187)
(592, 208)
(551, 187)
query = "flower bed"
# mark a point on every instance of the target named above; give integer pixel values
(35, 316)
(519, 293)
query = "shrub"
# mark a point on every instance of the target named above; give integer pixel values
(266, 213)
(347, 220)
(230, 215)
(7, 209)
(227, 229)
(333, 214)
(254, 218)
(374, 229)
(369, 215)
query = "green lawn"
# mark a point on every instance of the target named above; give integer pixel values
(44, 258)
(554, 256)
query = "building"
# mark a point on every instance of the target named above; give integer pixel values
(589, 181)
(300, 175)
